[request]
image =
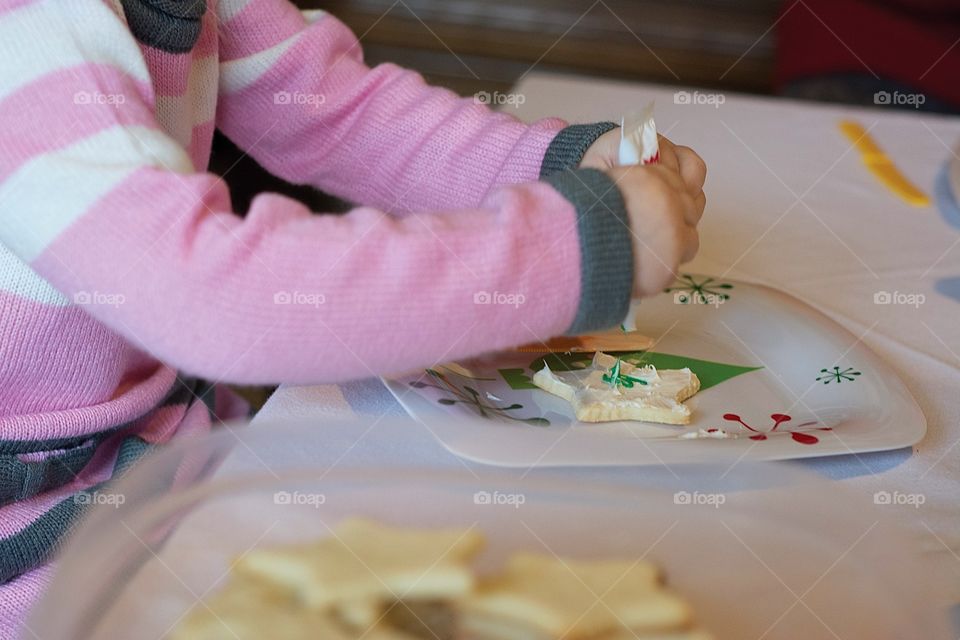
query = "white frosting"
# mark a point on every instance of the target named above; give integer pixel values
(638, 137)
(650, 388)
(718, 434)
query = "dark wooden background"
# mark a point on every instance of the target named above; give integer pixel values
(676, 41)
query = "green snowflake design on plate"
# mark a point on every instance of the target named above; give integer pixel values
(838, 375)
(689, 290)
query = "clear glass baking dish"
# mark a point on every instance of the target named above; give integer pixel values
(761, 550)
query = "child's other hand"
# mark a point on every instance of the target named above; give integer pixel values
(665, 202)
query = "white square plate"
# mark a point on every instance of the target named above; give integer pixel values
(779, 380)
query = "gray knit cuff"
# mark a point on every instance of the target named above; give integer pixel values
(606, 247)
(169, 25)
(567, 149)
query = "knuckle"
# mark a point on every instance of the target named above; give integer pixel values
(697, 161)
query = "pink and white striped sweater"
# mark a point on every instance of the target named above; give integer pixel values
(122, 262)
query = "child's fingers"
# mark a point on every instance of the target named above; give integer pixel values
(693, 169)
(699, 203)
(691, 244)
(668, 154)
(693, 207)
(670, 175)
(604, 152)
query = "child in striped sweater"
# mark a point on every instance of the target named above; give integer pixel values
(126, 277)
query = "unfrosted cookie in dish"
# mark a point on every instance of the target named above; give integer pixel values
(366, 561)
(541, 597)
(368, 581)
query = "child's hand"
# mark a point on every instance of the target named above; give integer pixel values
(665, 202)
(604, 153)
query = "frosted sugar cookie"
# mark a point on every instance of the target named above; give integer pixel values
(611, 389)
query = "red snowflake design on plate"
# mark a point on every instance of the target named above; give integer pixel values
(798, 433)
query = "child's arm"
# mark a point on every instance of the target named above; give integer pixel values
(298, 97)
(98, 200)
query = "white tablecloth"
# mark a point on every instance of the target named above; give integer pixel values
(789, 204)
